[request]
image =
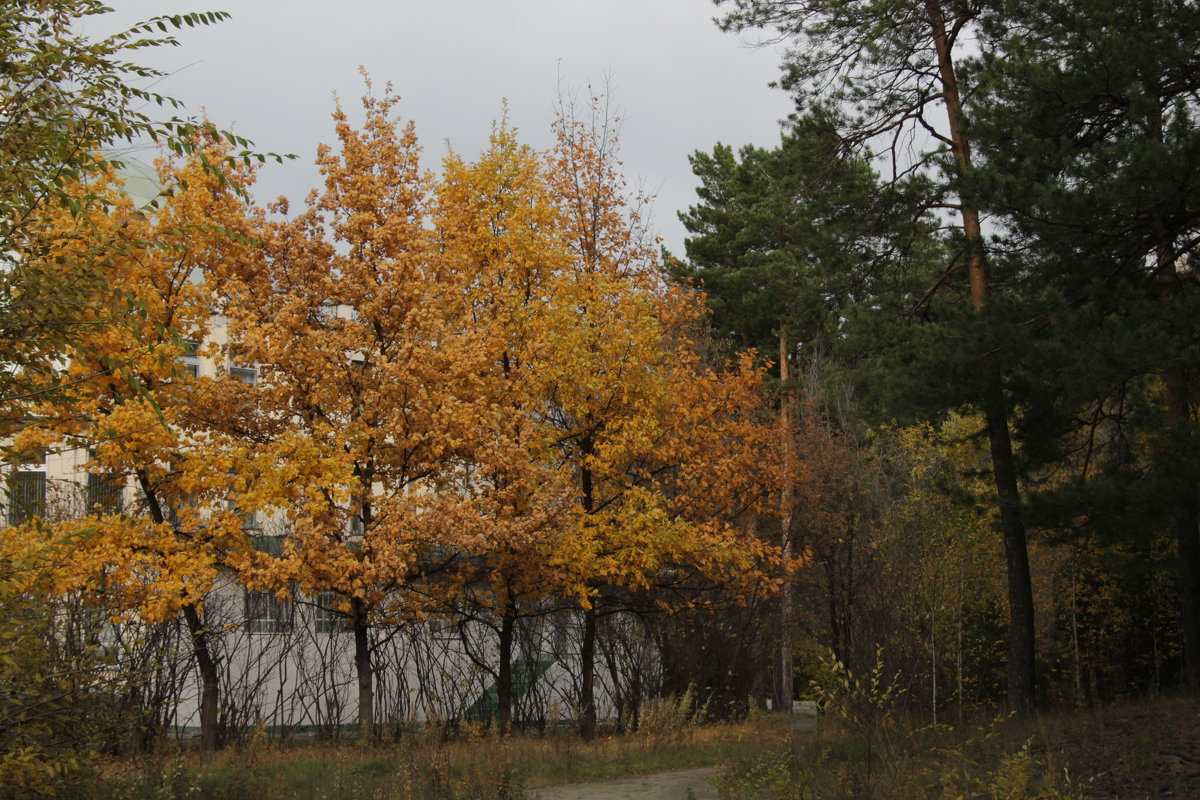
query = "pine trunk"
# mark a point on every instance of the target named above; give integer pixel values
(786, 503)
(587, 649)
(1187, 533)
(1021, 673)
(1186, 518)
(933, 671)
(1021, 642)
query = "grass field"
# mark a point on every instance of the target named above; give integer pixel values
(420, 765)
(1128, 751)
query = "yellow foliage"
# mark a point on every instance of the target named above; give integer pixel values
(125, 395)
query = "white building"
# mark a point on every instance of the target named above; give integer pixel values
(288, 664)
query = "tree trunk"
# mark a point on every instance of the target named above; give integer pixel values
(362, 665)
(587, 649)
(958, 658)
(1080, 700)
(1021, 674)
(933, 671)
(1187, 532)
(620, 699)
(504, 681)
(786, 503)
(1021, 642)
(206, 663)
(587, 668)
(209, 686)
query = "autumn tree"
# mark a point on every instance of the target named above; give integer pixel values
(498, 230)
(126, 399)
(591, 352)
(481, 386)
(368, 397)
(68, 104)
(622, 382)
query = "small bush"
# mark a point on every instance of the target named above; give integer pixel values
(1017, 776)
(670, 717)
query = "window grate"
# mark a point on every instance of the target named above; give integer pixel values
(328, 618)
(104, 493)
(266, 613)
(26, 496)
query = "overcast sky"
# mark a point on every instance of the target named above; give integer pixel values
(679, 83)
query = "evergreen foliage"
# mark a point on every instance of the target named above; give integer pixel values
(1069, 149)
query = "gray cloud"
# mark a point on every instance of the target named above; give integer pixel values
(679, 82)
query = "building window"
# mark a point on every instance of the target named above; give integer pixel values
(239, 370)
(353, 528)
(251, 520)
(191, 361)
(265, 543)
(444, 627)
(104, 493)
(173, 511)
(176, 510)
(328, 618)
(26, 496)
(27, 489)
(246, 375)
(562, 635)
(266, 613)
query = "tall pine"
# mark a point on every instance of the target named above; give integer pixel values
(895, 66)
(1086, 119)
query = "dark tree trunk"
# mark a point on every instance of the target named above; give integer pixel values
(1021, 642)
(1021, 671)
(206, 662)
(209, 686)
(609, 657)
(787, 501)
(587, 669)
(587, 649)
(362, 666)
(1187, 532)
(504, 676)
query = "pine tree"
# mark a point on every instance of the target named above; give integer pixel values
(895, 65)
(1087, 121)
(784, 242)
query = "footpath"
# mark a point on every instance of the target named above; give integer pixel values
(662, 786)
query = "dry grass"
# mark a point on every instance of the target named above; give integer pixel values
(1128, 751)
(472, 766)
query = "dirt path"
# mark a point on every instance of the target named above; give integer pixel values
(663, 786)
